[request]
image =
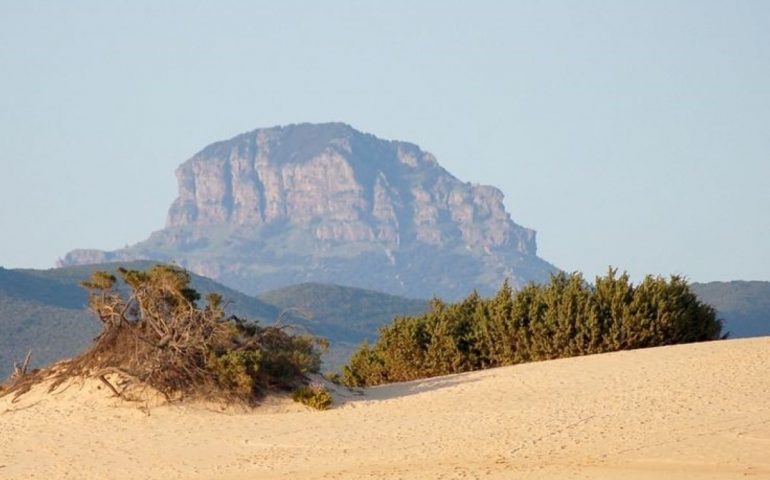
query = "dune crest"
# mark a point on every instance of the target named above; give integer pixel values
(690, 411)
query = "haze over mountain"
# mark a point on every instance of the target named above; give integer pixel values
(327, 203)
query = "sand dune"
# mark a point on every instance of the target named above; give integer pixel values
(687, 412)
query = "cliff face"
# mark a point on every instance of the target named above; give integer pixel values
(328, 203)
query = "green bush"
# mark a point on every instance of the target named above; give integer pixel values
(236, 370)
(565, 317)
(314, 396)
(365, 367)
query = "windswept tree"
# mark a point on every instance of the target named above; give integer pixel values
(155, 333)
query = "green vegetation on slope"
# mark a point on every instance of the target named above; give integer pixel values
(566, 317)
(42, 315)
(349, 313)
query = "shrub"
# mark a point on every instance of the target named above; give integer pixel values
(236, 370)
(314, 396)
(564, 317)
(365, 367)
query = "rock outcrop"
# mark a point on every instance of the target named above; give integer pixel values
(327, 203)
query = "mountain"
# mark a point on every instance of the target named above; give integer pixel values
(745, 306)
(327, 203)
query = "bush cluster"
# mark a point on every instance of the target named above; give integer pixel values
(254, 358)
(314, 396)
(565, 317)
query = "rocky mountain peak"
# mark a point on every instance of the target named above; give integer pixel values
(279, 205)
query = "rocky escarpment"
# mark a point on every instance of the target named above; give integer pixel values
(327, 203)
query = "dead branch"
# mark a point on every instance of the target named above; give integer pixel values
(19, 370)
(114, 390)
(118, 371)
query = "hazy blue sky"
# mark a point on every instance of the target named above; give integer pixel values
(635, 134)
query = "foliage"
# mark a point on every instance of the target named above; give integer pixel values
(314, 396)
(364, 368)
(565, 317)
(157, 334)
(236, 370)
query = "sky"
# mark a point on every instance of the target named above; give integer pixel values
(632, 134)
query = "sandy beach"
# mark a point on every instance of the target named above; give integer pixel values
(698, 411)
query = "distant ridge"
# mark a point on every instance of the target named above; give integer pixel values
(326, 203)
(744, 305)
(41, 314)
